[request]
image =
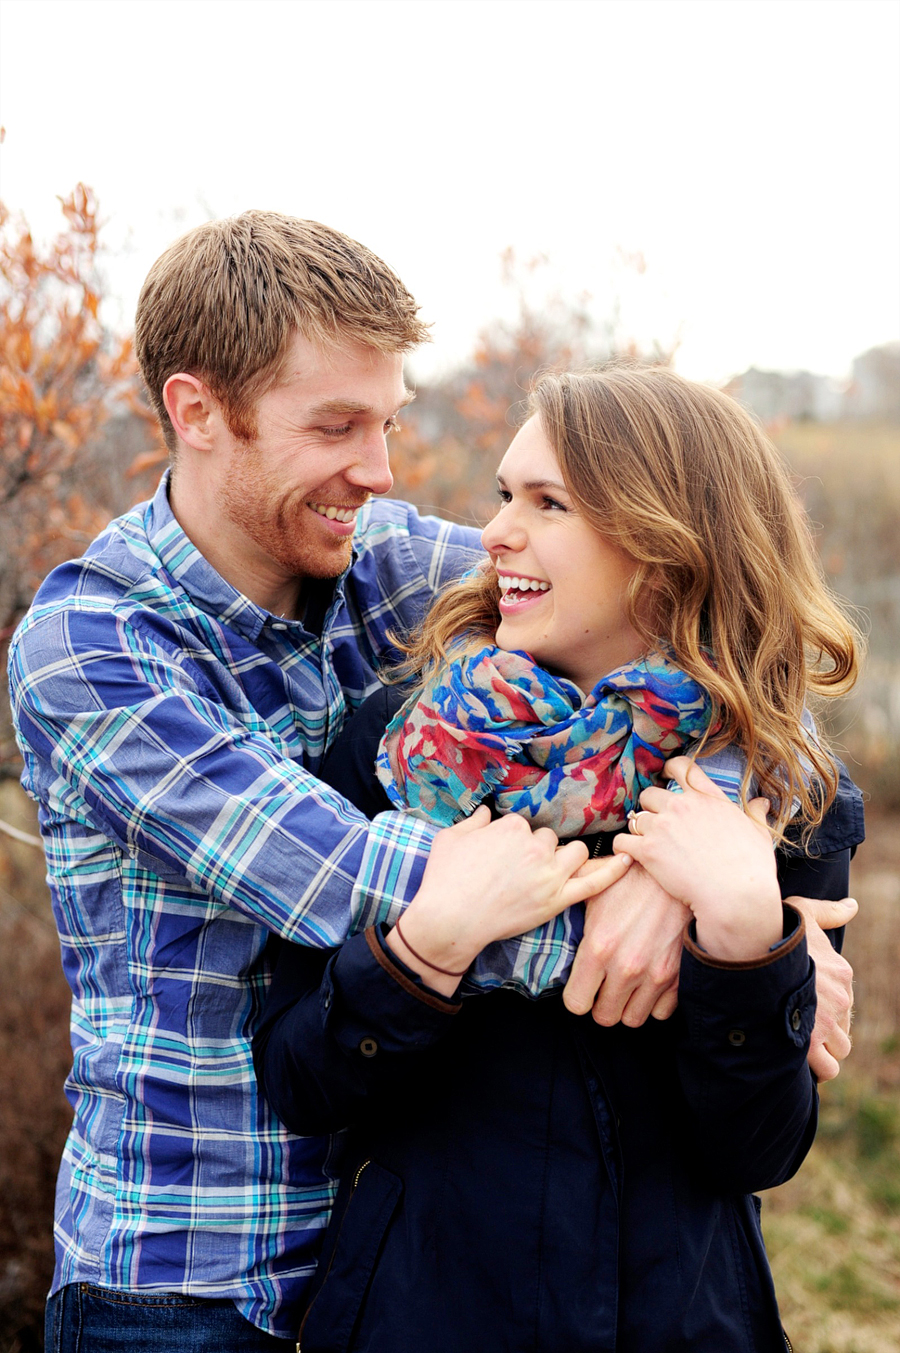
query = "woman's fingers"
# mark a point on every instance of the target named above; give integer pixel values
(593, 880)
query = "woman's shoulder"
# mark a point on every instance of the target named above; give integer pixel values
(842, 828)
(349, 766)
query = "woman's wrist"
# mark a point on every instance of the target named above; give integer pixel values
(742, 934)
(435, 952)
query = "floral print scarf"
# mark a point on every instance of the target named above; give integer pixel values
(492, 723)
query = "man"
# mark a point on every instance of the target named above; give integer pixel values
(175, 691)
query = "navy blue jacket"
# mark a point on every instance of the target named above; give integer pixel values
(514, 1177)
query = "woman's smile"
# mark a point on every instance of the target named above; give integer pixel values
(518, 593)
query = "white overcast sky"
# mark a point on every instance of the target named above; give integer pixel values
(749, 149)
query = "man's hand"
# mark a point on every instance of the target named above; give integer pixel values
(830, 1040)
(627, 964)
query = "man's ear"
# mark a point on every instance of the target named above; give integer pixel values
(191, 407)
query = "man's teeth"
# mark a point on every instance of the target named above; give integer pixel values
(335, 513)
(523, 585)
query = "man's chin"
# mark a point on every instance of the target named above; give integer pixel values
(323, 564)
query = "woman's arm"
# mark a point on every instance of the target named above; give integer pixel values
(747, 990)
(339, 1026)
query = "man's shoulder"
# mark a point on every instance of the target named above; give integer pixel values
(117, 560)
(424, 545)
(116, 575)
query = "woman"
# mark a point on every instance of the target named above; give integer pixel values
(515, 1177)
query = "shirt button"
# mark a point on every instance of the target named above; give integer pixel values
(796, 1020)
(368, 1047)
(737, 1038)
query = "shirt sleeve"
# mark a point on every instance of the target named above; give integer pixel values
(138, 744)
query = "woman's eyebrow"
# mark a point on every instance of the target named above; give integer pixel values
(533, 485)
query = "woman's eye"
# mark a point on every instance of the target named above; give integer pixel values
(553, 503)
(504, 495)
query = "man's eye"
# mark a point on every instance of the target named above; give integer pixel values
(337, 432)
(392, 425)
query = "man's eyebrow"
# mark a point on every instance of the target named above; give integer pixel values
(331, 408)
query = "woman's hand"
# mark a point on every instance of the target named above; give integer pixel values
(487, 881)
(718, 860)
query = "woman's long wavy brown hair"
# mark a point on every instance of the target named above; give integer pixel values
(682, 479)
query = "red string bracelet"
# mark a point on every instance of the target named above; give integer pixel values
(448, 972)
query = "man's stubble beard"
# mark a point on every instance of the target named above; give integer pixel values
(276, 524)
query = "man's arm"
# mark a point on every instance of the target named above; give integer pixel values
(126, 733)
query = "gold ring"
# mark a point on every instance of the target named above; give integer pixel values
(632, 823)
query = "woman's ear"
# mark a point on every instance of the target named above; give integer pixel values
(190, 404)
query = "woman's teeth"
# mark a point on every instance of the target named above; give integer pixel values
(335, 513)
(523, 585)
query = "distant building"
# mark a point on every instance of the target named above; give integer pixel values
(875, 389)
(773, 395)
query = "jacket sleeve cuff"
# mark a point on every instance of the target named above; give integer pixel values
(793, 932)
(746, 1004)
(371, 1002)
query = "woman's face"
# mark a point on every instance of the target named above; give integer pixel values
(562, 585)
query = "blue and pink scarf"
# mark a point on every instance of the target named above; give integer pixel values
(492, 723)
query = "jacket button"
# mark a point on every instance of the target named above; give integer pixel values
(368, 1047)
(796, 1020)
(327, 1001)
(737, 1038)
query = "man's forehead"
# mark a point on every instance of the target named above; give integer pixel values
(345, 378)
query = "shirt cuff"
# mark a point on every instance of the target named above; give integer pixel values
(394, 860)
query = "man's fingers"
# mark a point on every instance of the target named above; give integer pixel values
(821, 1063)
(639, 1006)
(584, 979)
(827, 915)
(690, 775)
(838, 1043)
(667, 1004)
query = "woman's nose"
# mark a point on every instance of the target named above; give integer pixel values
(502, 533)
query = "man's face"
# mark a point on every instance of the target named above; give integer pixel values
(288, 500)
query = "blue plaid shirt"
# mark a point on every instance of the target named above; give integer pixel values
(171, 732)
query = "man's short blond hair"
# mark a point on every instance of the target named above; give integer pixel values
(224, 302)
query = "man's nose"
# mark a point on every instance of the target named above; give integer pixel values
(371, 469)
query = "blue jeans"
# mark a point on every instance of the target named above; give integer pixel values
(82, 1318)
